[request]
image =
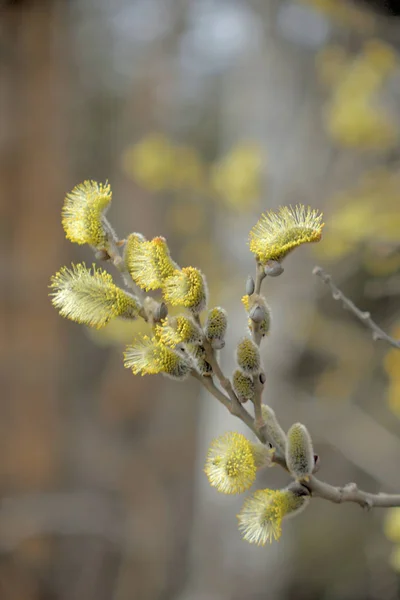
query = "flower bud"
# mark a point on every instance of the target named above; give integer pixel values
(256, 307)
(243, 386)
(299, 452)
(248, 357)
(257, 313)
(250, 286)
(273, 268)
(273, 430)
(216, 326)
(160, 312)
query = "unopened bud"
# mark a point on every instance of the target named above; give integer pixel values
(218, 344)
(299, 452)
(250, 286)
(273, 430)
(248, 357)
(216, 326)
(243, 386)
(273, 268)
(101, 255)
(257, 307)
(160, 312)
(257, 313)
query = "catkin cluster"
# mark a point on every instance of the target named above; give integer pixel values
(188, 342)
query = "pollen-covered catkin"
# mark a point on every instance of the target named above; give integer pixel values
(180, 329)
(187, 287)
(278, 233)
(230, 465)
(299, 452)
(148, 356)
(89, 296)
(260, 520)
(83, 214)
(148, 262)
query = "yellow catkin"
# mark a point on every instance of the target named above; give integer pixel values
(230, 465)
(261, 516)
(188, 288)
(148, 262)
(148, 356)
(83, 212)
(177, 330)
(90, 296)
(278, 233)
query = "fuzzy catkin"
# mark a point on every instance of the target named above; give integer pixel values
(299, 451)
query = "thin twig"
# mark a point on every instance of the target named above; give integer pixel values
(209, 384)
(350, 493)
(260, 276)
(257, 337)
(236, 407)
(364, 317)
(241, 413)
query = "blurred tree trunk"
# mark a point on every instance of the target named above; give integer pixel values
(32, 179)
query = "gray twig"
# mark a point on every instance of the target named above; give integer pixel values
(363, 316)
(350, 493)
(258, 383)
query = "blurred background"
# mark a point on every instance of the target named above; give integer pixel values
(201, 114)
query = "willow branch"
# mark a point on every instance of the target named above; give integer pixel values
(350, 493)
(260, 276)
(259, 379)
(239, 412)
(363, 316)
(236, 407)
(315, 487)
(209, 384)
